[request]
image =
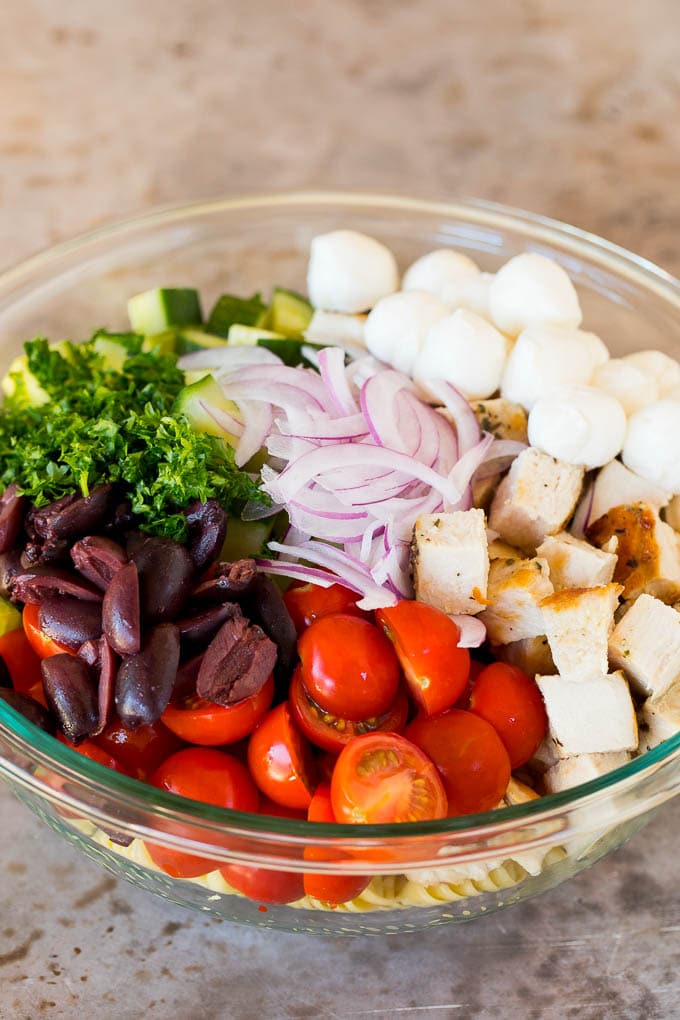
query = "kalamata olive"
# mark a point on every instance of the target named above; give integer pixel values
(10, 566)
(45, 553)
(98, 559)
(187, 674)
(202, 626)
(231, 582)
(107, 681)
(120, 611)
(12, 507)
(72, 515)
(165, 576)
(236, 663)
(5, 676)
(145, 680)
(207, 531)
(39, 583)
(29, 708)
(263, 604)
(71, 695)
(69, 621)
(90, 652)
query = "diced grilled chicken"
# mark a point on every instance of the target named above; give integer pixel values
(660, 719)
(532, 655)
(616, 484)
(574, 563)
(578, 622)
(570, 772)
(648, 553)
(594, 716)
(502, 418)
(450, 561)
(515, 591)
(645, 643)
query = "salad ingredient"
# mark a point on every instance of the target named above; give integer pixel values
(237, 663)
(627, 383)
(446, 274)
(165, 571)
(42, 645)
(98, 559)
(582, 768)
(331, 889)
(309, 602)
(191, 402)
(545, 357)
(198, 721)
(574, 563)
(154, 311)
(659, 366)
(647, 551)
(230, 309)
(140, 751)
(511, 702)
(289, 313)
(470, 756)
(646, 644)
(466, 351)
(577, 625)
(517, 587)
(531, 289)
(68, 621)
(616, 485)
(450, 560)
(207, 523)
(120, 615)
(385, 778)
(398, 324)
(20, 660)
(145, 679)
(427, 644)
(12, 507)
(579, 425)
(349, 272)
(348, 667)
(265, 606)
(71, 695)
(280, 760)
(264, 885)
(36, 583)
(200, 627)
(652, 444)
(29, 708)
(590, 716)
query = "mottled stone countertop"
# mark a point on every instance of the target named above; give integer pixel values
(566, 109)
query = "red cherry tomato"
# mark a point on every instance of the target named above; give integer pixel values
(21, 661)
(90, 750)
(274, 810)
(382, 777)
(470, 757)
(280, 760)
(42, 645)
(348, 667)
(202, 774)
(426, 641)
(206, 723)
(510, 700)
(308, 602)
(264, 885)
(475, 669)
(331, 889)
(141, 751)
(332, 733)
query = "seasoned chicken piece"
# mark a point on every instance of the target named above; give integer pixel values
(578, 622)
(516, 589)
(648, 554)
(499, 550)
(535, 499)
(501, 418)
(593, 716)
(616, 484)
(336, 328)
(532, 655)
(582, 768)
(646, 644)
(450, 561)
(576, 564)
(660, 719)
(671, 514)
(545, 756)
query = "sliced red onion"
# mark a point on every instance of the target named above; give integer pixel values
(461, 473)
(499, 457)
(226, 421)
(303, 379)
(467, 426)
(257, 421)
(377, 398)
(351, 426)
(472, 630)
(352, 572)
(297, 571)
(228, 357)
(332, 369)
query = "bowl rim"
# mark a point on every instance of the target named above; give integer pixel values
(46, 752)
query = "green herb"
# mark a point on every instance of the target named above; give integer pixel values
(102, 426)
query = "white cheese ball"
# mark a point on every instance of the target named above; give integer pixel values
(625, 381)
(465, 350)
(349, 272)
(442, 272)
(548, 356)
(652, 445)
(663, 369)
(398, 324)
(530, 290)
(578, 425)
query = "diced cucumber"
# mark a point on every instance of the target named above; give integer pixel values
(113, 353)
(189, 340)
(10, 617)
(230, 309)
(289, 313)
(153, 311)
(22, 387)
(161, 343)
(250, 336)
(205, 390)
(289, 350)
(245, 538)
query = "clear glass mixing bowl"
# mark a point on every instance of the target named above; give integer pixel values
(489, 860)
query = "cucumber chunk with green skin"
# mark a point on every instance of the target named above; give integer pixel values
(21, 387)
(161, 343)
(114, 355)
(154, 311)
(190, 402)
(289, 350)
(10, 617)
(245, 538)
(230, 309)
(289, 313)
(188, 340)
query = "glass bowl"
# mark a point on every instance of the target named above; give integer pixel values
(421, 874)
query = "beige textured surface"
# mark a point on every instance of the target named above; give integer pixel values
(569, 109)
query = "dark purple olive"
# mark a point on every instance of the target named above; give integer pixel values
(5, 676)
(146, 680)
(207, 531)
(187, 675)
(12, 508)
(166, 573)
(107, 682)
(40, 583)
(120, 611)
(45, 553)
(72, 516)
(236, 663)
(263, 604)
(231, 582)
(90, 652)
(29, 708)
(98, 559)
(71, 695)
(10, 566)
(202, 626)
(70, 622)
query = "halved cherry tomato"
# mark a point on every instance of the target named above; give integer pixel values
(331, 889)
(476, 668)
(141, 751)
(203, 722)
(270, 807)
(90, 750)
(510, 700)
(332, 733)
(21, 661)
(382, 777)
(37, 692)
(280, 760)
(210, 776)
(426, 641)
(42, 645)
(264, 885)
(470, 757)
(348, 666)
(308, 602)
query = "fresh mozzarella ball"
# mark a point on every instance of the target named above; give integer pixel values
(349, 272)
(397, 326)
(465, 350)
(530, 290)
(578, 425)
(547, 356)
(663, 369)
(652, 446)
(442, 272)
(625, 381)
